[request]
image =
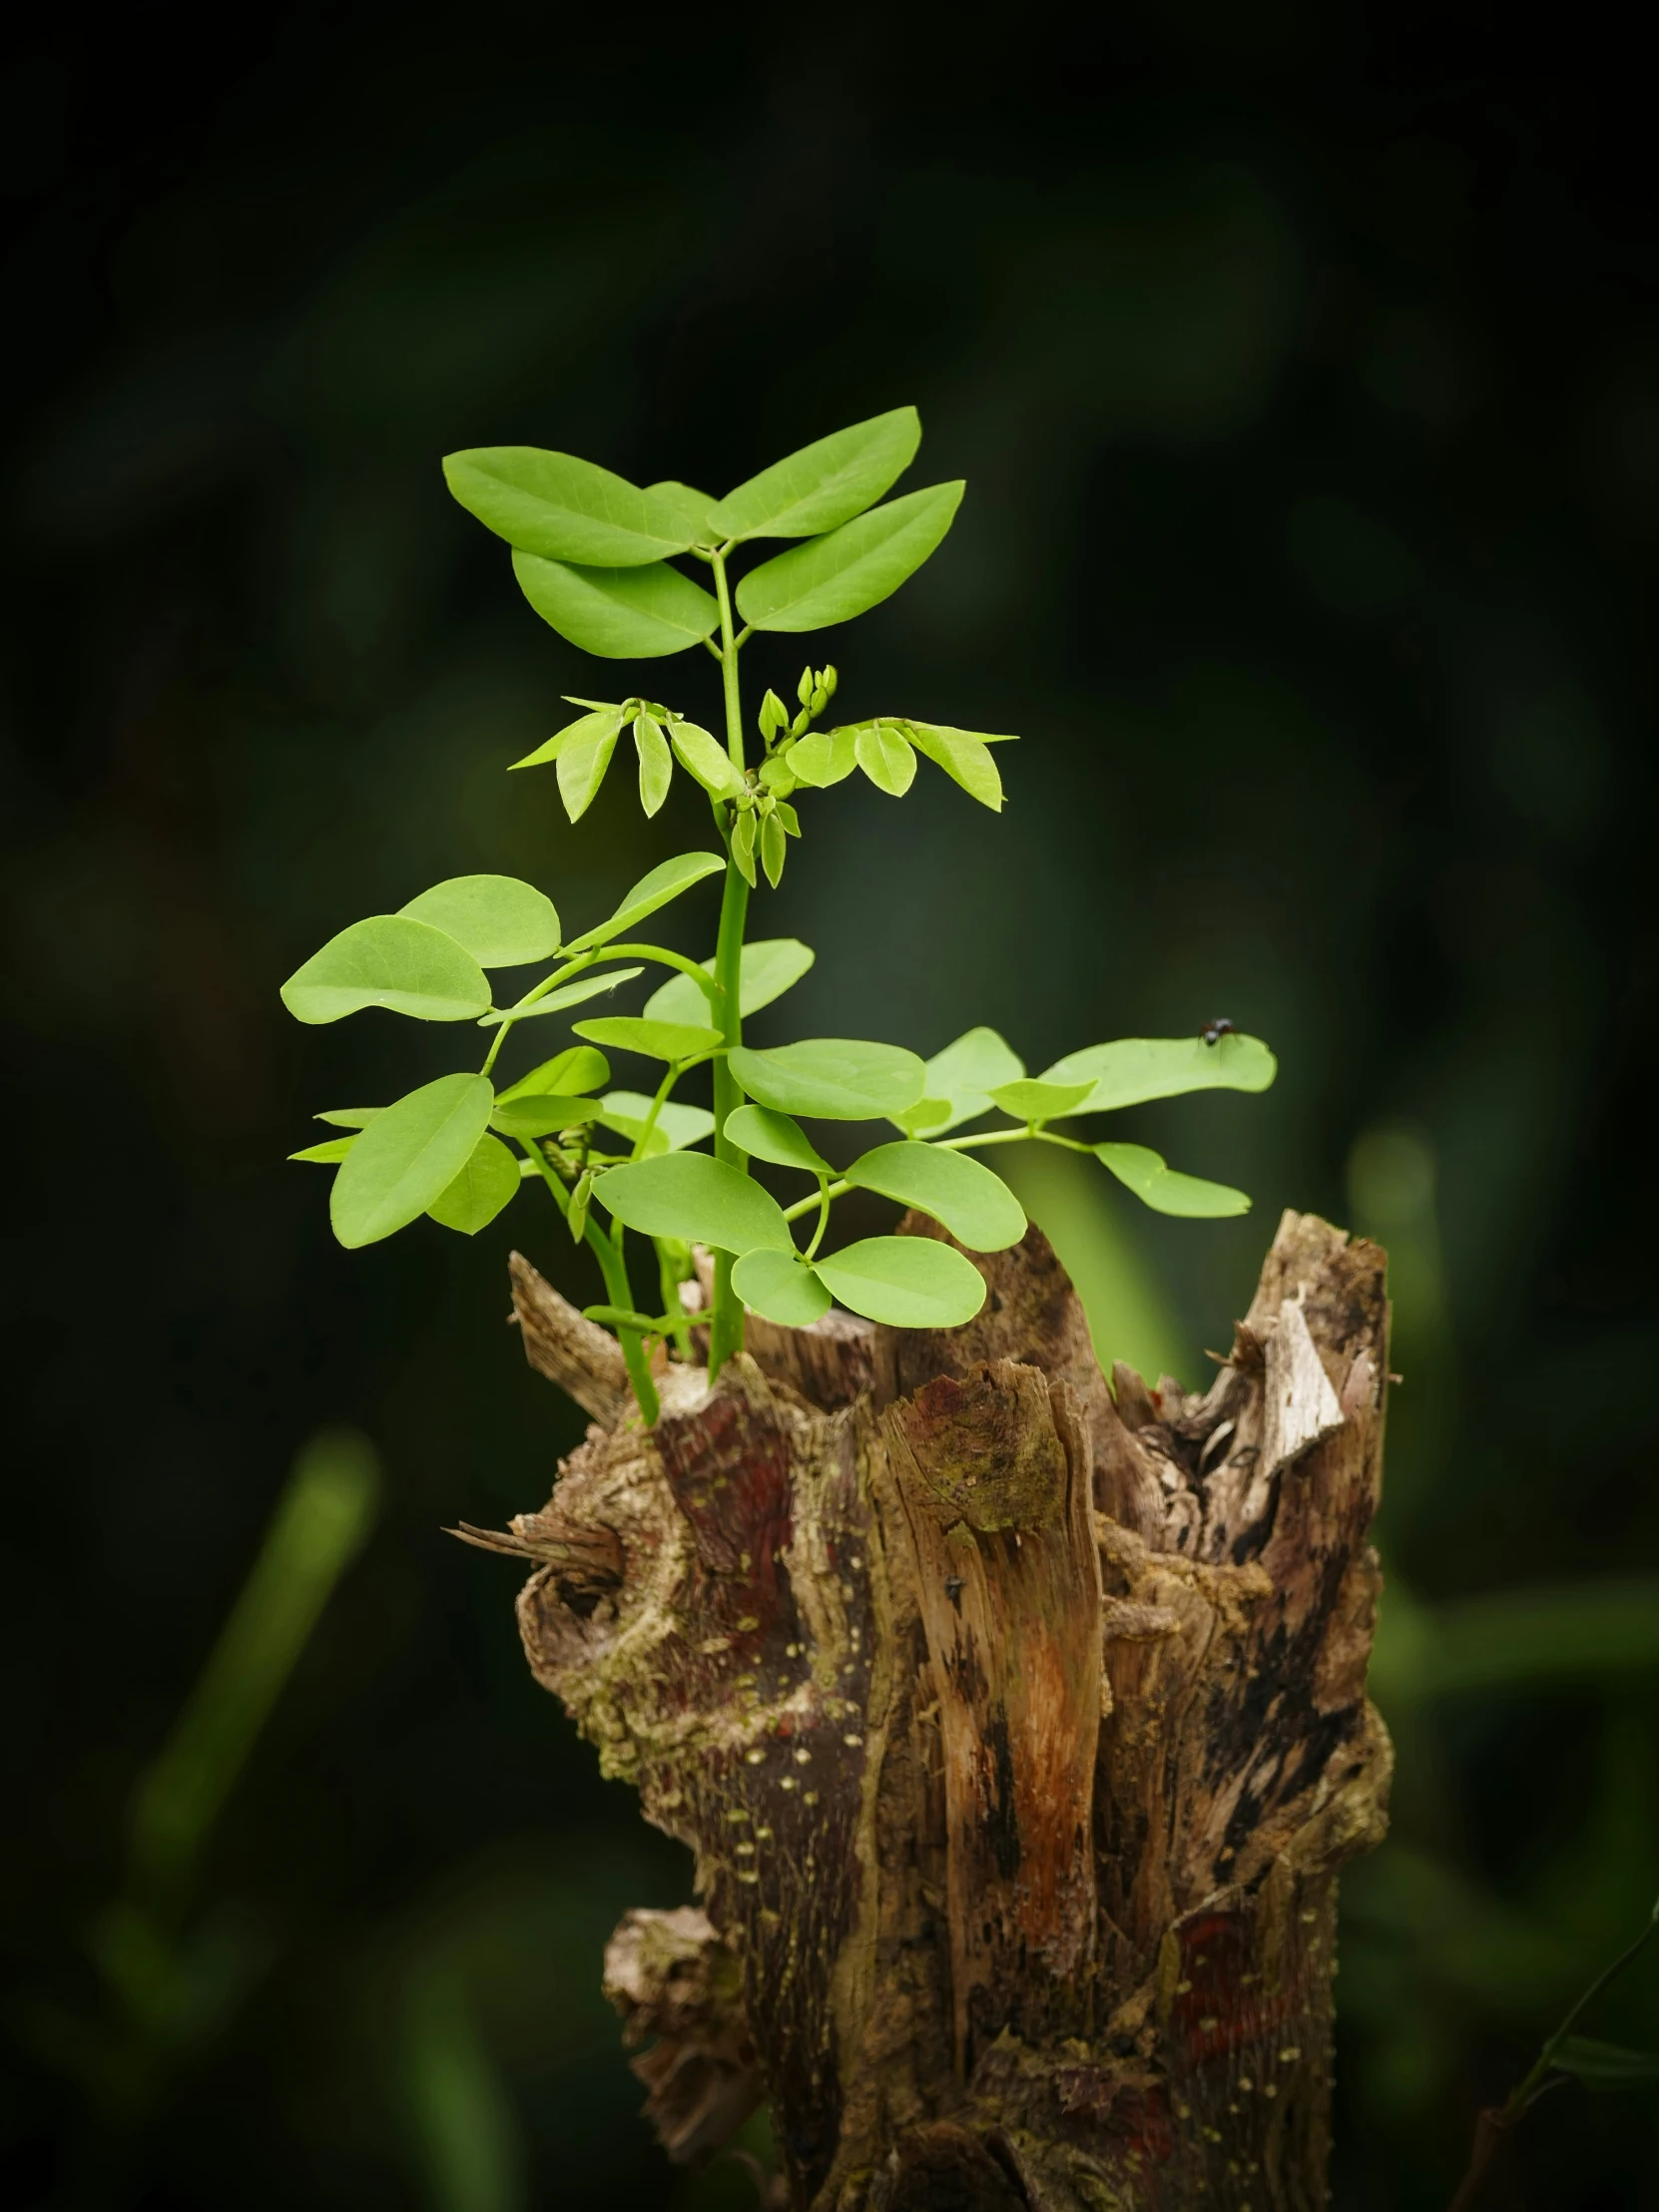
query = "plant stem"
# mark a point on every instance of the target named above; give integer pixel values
(726, 1317)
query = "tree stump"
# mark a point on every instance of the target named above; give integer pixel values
(1019, 1727)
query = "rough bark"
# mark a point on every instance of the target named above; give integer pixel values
(1019, 1728)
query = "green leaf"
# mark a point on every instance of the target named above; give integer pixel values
(665, 881)
(657, 1040)
(533, 1116)
(408, 1157)
(885, 758)
(619, 614)
(784, 1290)
(906, 1281)
(1166, 1192)
(1133, 1069)
(565, 509)
(831, 579)
(1031, 1101)
(770, 966)
(774, 1137)
(976, 1206)
(655, 762)
(823, 757)
(773, 848)
(825, 483)
(350, 1117)
(388, 960)
(831, 1078)
(705, 759)
(962, 1077)
(584, 730)
(582, 767)
(699, 1200)
(692, 511)
(500, 921)
(568, 995)
(1598, 2066)
(575, 1071)
(677, 1126)
(484, 1187)
(743, 845)
(326, 1155)
(964, 756)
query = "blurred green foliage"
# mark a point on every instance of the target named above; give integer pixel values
(1310, 409)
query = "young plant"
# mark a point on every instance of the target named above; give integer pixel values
(595, 556)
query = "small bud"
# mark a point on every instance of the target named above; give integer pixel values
(578, 1197)
(819, 701)
(773, 714)
(829, 679)
(803, 690)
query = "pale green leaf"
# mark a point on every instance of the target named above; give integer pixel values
(823, 757)
(1166, 1192)
(906, 1281)
(774, 1137)
(1028, 1100)
(696, 1198)
(563, 508)
(388, 960)
(408, 1157)
(484, 1185)
(743, 847)
(618, 614)
(831, 579)
(976, 1206)
(692, 511)
(584, 730)
(575, 1072)
(1133, 1069)
(964, 756)
(581, 770)
(329, 1154)
(531, 1115)
(825, 483)
(567, 994)
(350, 1117)
(885, 758)
(705, 759)
(655, 762)
(1599, 2065)
(501, 922)
(772, 850)
(665, 881)
(656, 1040)
(962, 1077)
(627, 1112)
(831, 1078)
(784, 1290)
(928, 1116)
(770, 966)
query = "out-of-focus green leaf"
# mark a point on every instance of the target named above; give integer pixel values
(885, 758)
(568, 995)
(501, 922)
(1604, 2065)
(582, 767)
(845, 573)
(577, 1071)
(784, 1290)
(627, 1112)
(563, 508)
(586, 729)
(1026, 1100)
(770, 966)
(965, 758)
(1133, 1069)
(904, 1281)
(618, 614)
(656, 761)
(656, 1040)
(976, 1206)
(664, 883)
(388, 960)
(825, 483)
(696, 1198)
(408, 1157)
(484, 1187)
(706, 760)
(531, 1116)
(1143, 1171)
(831, 1078)
(823, 757)
(774, 1137)
(469, 2145)
(961, 1078)
(1514, 1639)
(329, 1154)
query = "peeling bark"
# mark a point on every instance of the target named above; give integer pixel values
(1019, 1728)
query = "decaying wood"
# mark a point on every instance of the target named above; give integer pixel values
(1019, 1728)
(575, 1353)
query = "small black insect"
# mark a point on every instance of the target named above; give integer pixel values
(954, 1587)
(1214, 1031)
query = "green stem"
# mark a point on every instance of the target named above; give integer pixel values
(547, 983)
(831, 1190)
(662, 1088)
(614, 1268)
(694, 968)
(725, 1316)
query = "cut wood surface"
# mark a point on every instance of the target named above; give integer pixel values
(1017, 1725)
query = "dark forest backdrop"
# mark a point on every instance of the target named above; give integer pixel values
(1306, 379)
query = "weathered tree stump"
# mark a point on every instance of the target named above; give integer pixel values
(1018, 1730)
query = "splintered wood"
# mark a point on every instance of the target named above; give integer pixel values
(1019, 1728)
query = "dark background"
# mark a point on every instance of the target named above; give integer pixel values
(1305, 373)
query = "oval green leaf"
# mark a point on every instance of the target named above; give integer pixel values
(784, 1290)
(574, 1072)
(568, 995)
(563, 508)
(655, 762)
(1028, 1100)
(350, 1117)
(677, 1126)
(825, 483)
(823, 757)
(407, 1158)
(388, 960)
(696, 1198)
(906, 1281)
(831, 579)
(1142, 1171)
(770, 966)
(771, 1136)
(965, 758)
(1132, 1069)
(542, 1116)
(329, 1154)
(582, 767)
(484, 1185)
(705, 759)
(620, 614)
(885, 758)
(962, 1077)
(584, 730)
(693, 511)
(665, 881)
(501, 922)
(976, 1206)
(657, 1040)
(831, 1078)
